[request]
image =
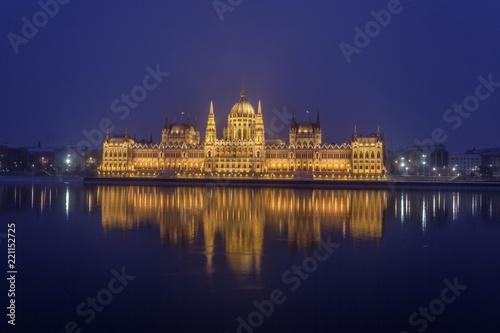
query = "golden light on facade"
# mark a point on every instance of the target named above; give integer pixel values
(242, 151)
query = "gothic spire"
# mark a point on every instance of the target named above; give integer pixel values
(211, 131)
(242, 94)
(166, 122)
(317, 120)
(188, 122)
(107, 135)
(259, 110)
(196, 123)
(294, 121)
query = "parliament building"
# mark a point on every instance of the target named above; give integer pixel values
(243, 151)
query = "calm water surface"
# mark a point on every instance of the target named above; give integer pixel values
(215, 259)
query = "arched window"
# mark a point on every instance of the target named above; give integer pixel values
(366, 155)
(258, 153)
(209, 153)
(378, 154)
(373, 155)
(355, 155)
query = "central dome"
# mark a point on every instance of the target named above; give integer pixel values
(242, 108)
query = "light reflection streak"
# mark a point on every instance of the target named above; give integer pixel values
(402, 209)
(424, 214)
(67, 203)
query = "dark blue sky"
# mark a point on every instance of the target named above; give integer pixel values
(65, 78)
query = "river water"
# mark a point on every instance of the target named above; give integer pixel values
(220, 259)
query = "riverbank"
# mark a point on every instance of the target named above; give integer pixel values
(301, 184)
(277, 183)
(40, 179)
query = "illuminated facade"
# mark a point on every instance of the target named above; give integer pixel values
(242, 151)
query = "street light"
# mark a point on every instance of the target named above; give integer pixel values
(424, 162)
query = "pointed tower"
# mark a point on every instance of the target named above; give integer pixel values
(356, 154)
(126, 134)
(196, 124)
(210, 138)
(318, 138)
(242, 94)
(188, 123)
(107, 135)
(211, 132)
(292, 135)
(378, 134)
(259, 136)
(165, 132)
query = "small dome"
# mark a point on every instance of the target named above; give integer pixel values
(306, 128)
(178, 128)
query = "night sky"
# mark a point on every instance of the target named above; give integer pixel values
(64, 79)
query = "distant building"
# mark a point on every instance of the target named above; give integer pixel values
(420, 160)
(490, 161)
(13, 158)
(41, 158)
(485, 162)
(466, 163)
(74, 160)
(52, 160)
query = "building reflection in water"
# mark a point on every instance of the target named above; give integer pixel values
(234, 221)
(239, 217)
